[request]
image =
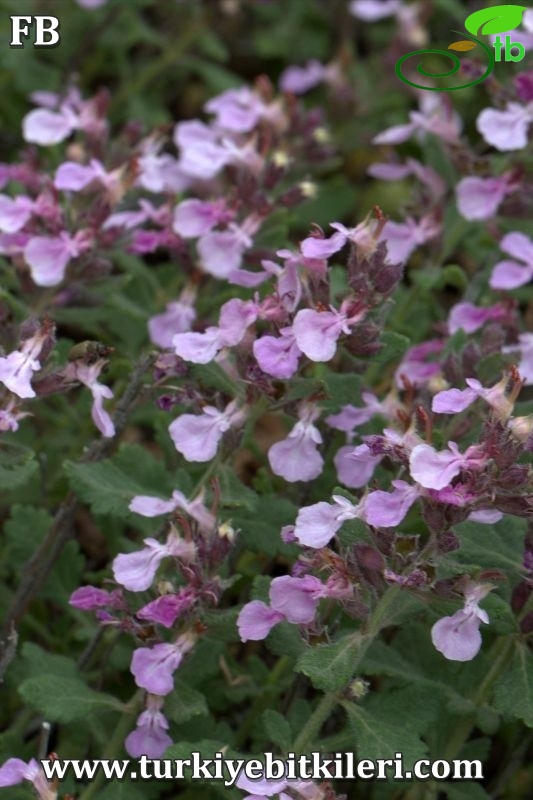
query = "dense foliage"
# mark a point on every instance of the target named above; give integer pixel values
(265, 396)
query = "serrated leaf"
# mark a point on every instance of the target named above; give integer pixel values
(109, 485)
(462, 46)
(377, 737)
(64, 699)
(17, 465)
(513, 694)
(330, 666)
(26, 527)
(277, 728)
(185, 703)
(498, 546)
(498, 19)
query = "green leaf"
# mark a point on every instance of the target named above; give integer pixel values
(277, 729)
(185, 703)
(17, 465)
(330, 666)
(464, 790)
(498, 19)
(121, 790)
(513, 694)
(260, 528)
(26, 527)
(233, 491)
(497, 546)
(64, 699)
(377, 737)
(109, 485)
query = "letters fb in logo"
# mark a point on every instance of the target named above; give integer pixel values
(486, 21)
(45, 34)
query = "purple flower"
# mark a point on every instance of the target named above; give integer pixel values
(136, 571)
(15, 212)
(317, 332)
(166, 609)
(508, 129)
(89, 598)
(74, 177)
(317, 524)
(201, 348)
(88, 375)
(148, 506)
(153, 667)
(480, 198)
(387, 509)
(278, 356)
(238, 110)
(434, 469)
(17, 368)
(355, 465)
(10, 416)
(471, 318)
(395, 172)
(415, 366)
(436, 116)
(458, 637)
(45, 127)
(14, 771)
(511, 274)
(299, 80)
(197, 437)
(193, 217)
(256, 620)
(374, 10)
(402, 238)
(48, 256)
(150, 738)
(178, 318)
(296, 458)
(291, 599)
(201, 154)
(453, 401)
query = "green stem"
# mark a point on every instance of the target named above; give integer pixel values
(262, 701)
(116, 743)
(328, 702)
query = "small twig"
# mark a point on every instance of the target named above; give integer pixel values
(8, 648)
(45, 556)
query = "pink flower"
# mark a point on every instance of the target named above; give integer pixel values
(508, 129)
(48, 256)
(166, 609)
(197, 437)
(153, 667)
(256, 620)
(458, 637)
(317, 524)
(374, 10)
(291, 599)
(150, 738)
(480, 198)
(45, 127)
(317, 332)
(89, 598)
(355, 465)
(238, 110)
(201, 348)
(10, 416)
(148, 506)
(88, 375)
(436, 116)
(193, 217)
(511, 274)
(136, 571)
(395, 172)
(296, 458)
(299, 80)
(16, 369)
(471, 318)
(415, 365)
(434, 469)
(14, 771)
(453, 401)
(278, 356)
(221, 252)
(402, 238)
(351, 417)
(178, 318)
(201, 154)
(15, 212)
(387, 509)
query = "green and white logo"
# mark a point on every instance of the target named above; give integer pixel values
(486, 21)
